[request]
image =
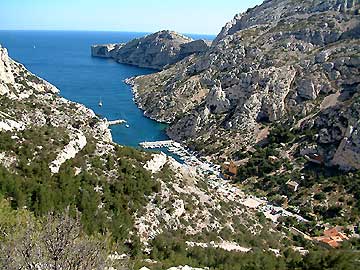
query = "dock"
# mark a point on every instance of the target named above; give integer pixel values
(157, 144)
(116, 122)
(186, 155)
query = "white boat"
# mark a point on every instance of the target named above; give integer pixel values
(127, 126)
(100, 103)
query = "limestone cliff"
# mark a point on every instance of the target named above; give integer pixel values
(22, 88)
(104, 50)
(278, 60)
(155, 51)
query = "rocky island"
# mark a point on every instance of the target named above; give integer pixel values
(154, 51)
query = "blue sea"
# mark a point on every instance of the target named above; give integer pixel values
(63, 58)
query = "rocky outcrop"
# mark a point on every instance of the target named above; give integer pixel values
(154, 51)
(25, 91)
(76, 144)
(104, 50)
(18, 83)
(338, 140)
(278, 60)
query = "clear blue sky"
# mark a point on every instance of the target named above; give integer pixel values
(186, 16)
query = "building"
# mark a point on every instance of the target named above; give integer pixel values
(292, 185)
(336, 234)
(315, 158)
(332, 237)
(285, 203)
(229, 170)
(272, 159)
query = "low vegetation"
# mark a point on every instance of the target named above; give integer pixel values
(325, 193)
(106, 204)
(170, 250)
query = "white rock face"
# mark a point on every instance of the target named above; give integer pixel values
(18, 83)
(156, 163)
(25, 89)
(216, 100)
(5, 67)
(185, 267)
(307, 89)
(11, 125)
(225, 245)
(78, 142)
(346, 155)
(6, 159)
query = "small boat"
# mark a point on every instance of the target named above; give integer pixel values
(127, 126)
(34, 47)
(100, 103)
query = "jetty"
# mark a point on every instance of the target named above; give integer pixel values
(116, 122)
(185, 154)
(157, 144)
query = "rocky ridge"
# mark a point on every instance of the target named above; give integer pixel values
(280, 60)
(155, 51)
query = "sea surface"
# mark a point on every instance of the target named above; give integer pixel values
(63, 58)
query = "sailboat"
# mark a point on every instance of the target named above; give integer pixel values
(100, 103)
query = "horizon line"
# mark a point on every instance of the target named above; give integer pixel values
(119, 31)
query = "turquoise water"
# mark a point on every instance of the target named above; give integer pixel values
(63, 58)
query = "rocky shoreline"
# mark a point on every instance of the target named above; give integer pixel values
(21, 86)
(132, 84)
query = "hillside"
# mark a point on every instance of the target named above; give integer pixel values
(283, 60)
(57, 156)
(72, 199)
(277, 93)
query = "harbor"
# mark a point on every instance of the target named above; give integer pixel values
(186, 155)
(216, 179)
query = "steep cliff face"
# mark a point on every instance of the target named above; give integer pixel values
(338, 138)
(25, 91)
(104, 50)
(278, 60)
(155, 51)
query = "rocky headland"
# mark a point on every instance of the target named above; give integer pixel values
(154, 51)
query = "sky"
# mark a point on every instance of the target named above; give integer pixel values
(184, 16)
